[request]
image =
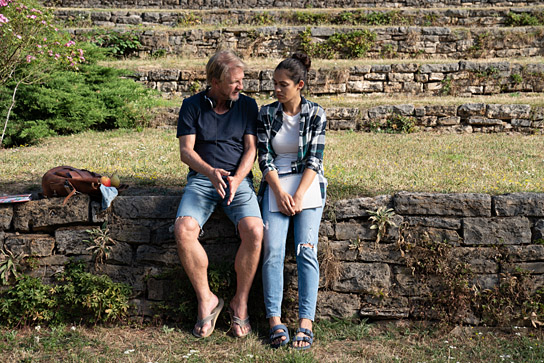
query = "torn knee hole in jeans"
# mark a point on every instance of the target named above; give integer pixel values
(307, 245)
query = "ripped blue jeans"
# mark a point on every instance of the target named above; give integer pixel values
(306, 231)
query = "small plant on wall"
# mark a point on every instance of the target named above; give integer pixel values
(381, 219)
(101, 244)
(10, 265)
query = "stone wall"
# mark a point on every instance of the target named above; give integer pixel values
(373, 281)
(407, 16)
(247, 4)
(465, 118)
(463, 79)
(390, 42)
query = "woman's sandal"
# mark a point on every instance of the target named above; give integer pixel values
(274, 336)
(240, 322)
(308, 338)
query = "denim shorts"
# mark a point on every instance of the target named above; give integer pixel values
(200, 200)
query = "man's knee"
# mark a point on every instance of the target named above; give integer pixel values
(186, 229)
(251, 229)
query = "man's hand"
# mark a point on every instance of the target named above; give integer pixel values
(216, 177)
(234, 183)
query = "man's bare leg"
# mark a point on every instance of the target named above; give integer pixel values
(245, 264)
(195, 263)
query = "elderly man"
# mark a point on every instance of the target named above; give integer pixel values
(217, 140)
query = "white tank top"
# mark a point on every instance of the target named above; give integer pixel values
(285, 143)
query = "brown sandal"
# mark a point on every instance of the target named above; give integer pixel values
(240, 322)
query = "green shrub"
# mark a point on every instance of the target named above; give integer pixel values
(95, 97)
(119, 44)
(29, 301)
(91, 298)
(523, 19)
(349, 45)
(76, 296)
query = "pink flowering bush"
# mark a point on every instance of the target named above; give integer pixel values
(30, 44)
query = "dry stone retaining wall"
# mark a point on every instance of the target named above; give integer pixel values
(248, 4)
(465, 118)
(420, 17)
(474, 225)
(390, 42)
(463, 78)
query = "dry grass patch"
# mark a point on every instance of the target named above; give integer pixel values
(356, 164)
(335, 342)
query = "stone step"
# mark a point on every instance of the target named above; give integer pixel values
(296, 4)
(459, 116)
(461, 78)
(344, 42)
(466, 17)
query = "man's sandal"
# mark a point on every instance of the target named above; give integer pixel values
(210, 318)
(243, 323)
(274, 336)
(308, 338)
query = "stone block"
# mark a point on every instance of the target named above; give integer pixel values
(154, 207)
(353, 231)
(380, 307)
(221, 253)
(481, 260)
(471, 109)
(404, 110)
(48, 213)
(38, 245)
(538, 232)
(401, 77)
(441, 111)
(6, 215)
(121, 253)
(525, 253)
(359, 277)
(334, 305)
(382, 252)
(359, 207)
(514, 204)
(132, 276)
(365, 86)
(70, 240)
(496, 231)
(436, 222)
(343, 250)
(156, 255)
(131, 233)
(461, 204)
(508, 112)
(483, 121)
(436, 235)
(449, 121)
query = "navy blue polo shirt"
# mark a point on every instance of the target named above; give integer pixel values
(219, 138)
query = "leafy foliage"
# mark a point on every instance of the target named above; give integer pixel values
(77, 296)
(10, 265)
(95, 97)
(349, 45)
(524, 19)
(119, 44)
(100, 244)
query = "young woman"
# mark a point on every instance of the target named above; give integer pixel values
(291, 140)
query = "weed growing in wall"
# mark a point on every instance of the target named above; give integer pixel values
(524, 19)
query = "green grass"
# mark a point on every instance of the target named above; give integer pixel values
(356, 164)
(337, 341)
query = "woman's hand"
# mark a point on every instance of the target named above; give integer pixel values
(297, 198)
(286, 203)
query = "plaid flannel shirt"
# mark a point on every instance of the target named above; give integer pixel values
(311, 140)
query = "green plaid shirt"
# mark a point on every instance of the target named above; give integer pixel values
(311, 140)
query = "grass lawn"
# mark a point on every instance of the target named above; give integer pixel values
(337, 341)
(356, 164)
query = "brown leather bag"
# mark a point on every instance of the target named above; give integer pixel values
(65, 181)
